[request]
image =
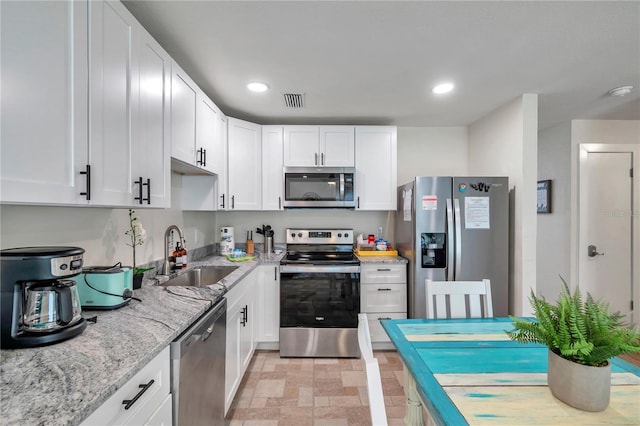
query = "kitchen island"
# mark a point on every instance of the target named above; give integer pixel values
(64, 383)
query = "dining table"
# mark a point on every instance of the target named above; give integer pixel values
(469, 372)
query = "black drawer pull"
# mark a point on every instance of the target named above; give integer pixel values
(384, 289)
(128, 403)
(383, 318)
(384, 270)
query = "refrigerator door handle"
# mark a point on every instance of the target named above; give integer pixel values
(450, 236)
(458, 221)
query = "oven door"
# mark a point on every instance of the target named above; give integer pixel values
(314, 296)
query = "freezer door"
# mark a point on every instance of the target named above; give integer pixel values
(430, 235)
(481, 210)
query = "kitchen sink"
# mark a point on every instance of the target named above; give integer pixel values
(200, 277)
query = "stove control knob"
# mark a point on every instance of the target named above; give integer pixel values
(346, 235)
(339, 235)
(300, 234)
(293, 235)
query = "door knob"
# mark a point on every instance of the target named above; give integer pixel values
(592, 251)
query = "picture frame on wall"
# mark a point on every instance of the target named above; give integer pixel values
(544, 196)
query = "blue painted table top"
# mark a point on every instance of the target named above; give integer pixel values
(459, 365)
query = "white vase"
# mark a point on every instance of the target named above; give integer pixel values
(581, 386)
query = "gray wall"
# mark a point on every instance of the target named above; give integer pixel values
(553, 239)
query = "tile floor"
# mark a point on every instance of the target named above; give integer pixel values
(314, 391)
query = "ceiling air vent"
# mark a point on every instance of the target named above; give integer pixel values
(294, 100)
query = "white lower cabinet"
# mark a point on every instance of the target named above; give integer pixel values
(144, 399)
(241, 334)
(269, 307)
(383, 295)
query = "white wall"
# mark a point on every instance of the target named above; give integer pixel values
(553, 239)
(431, 151)
(100, 231)
(504, 143)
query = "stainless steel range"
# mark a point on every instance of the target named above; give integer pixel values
(319, 294)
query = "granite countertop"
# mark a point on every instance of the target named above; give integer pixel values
(64, 383)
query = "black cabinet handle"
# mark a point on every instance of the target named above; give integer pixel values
(275, 273)
(204, 157)
(222, 205)
(128, 403)
(200, 160)
(358, 201)
(243, 317)
(148, 185)
(233, 201)
(279, 203)
(384, 289)
(383, 269)
(87, 172)
(139, 183)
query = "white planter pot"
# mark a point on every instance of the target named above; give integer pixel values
(581, 386)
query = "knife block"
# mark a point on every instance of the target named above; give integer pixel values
(249, 247)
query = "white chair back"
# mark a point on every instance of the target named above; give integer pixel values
(372, 369)
(459, 299)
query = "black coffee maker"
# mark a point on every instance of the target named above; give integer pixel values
(38, 305)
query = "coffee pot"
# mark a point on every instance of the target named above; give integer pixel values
(51, 306)
(39, 306)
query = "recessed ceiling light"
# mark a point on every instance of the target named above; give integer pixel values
(257, 87)
(443, 88)
(620, 91)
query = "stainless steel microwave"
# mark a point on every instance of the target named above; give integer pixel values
(319, 187)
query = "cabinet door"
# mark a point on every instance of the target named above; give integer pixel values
(232, 375)
(44, 102)
(301, 146)
(221, 163)
(163, 416)
(272, 185)
(112, 97)
(151, 145)
(245, 170)
(337, 146)
(376, 167)
(269, 304)
(183, 116)
(206, 133)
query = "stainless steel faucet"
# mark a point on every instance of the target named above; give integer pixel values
(166, 267)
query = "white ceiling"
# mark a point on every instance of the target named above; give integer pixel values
(374, 62)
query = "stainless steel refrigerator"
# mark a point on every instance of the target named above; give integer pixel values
(454, 229)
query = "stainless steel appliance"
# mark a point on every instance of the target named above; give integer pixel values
(309, 187)
(453, 229)
(319, 294)
(197, 370)
(38, 305)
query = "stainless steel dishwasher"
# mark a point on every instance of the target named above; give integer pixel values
(197, 370)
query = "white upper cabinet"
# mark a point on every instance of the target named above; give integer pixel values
(183, 116)
(99, 99)
(43, 142)
(272, 185)
(245, 165)
(152, 144)
(112, 96)
(376, 167)
(207, 119)
(337, 146)
(319, 146)
(129, 115)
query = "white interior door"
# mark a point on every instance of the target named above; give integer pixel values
(606, 188)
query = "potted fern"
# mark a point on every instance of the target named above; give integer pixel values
(582, 335)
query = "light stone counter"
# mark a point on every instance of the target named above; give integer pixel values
(64, 383)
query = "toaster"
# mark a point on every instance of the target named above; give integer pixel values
(104, 287)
